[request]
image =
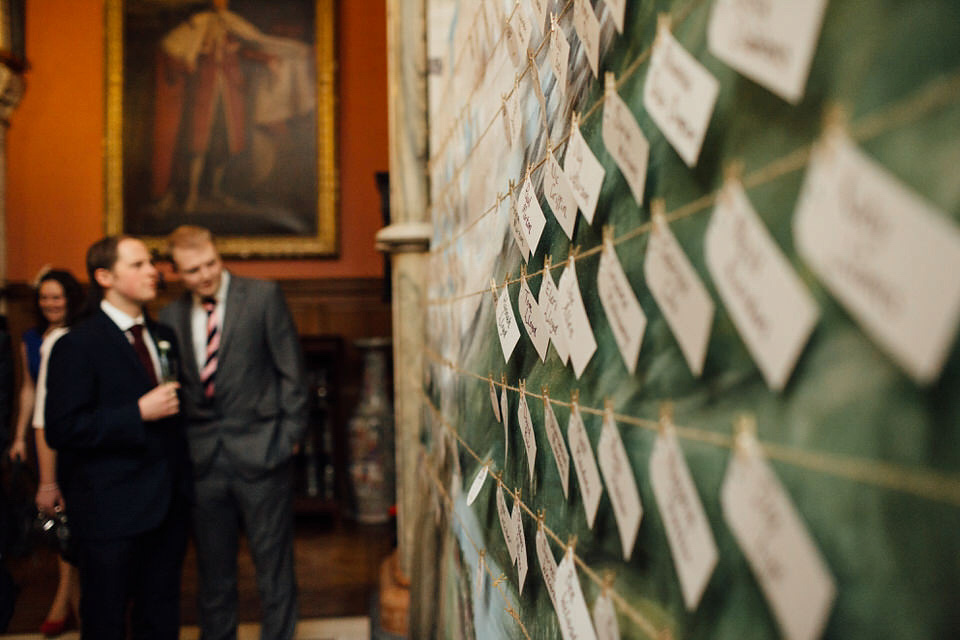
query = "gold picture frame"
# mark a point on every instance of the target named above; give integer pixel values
(210, 120)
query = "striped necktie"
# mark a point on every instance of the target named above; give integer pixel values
(209, 371)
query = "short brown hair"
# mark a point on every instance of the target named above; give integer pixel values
(102, 254)
(189, 236)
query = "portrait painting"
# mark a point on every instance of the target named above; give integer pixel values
(221, 113)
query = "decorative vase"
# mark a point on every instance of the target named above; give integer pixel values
(371, 437)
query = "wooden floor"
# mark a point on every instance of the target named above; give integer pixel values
(337, 567)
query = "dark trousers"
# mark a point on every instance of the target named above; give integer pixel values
(264, 506)
(144, 569)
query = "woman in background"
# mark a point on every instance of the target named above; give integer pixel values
(59, 299)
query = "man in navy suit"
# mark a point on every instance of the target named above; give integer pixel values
(122, 463)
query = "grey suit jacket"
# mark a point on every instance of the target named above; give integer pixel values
(259, 409)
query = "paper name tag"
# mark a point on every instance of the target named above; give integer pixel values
(626, 318)
(517, 34)
(680, 294)
(584, 172)
(505, 412)
(691, 541)
(571, 607)
(605, 618)
(625, 141)
(538, 91)
(493, 401)
(507, 526)
(557, 445)
(889, 257)
(516, 229)
(526, 430)
(771, 42)
(531, 215)
(559, 195)
(621, 485)
(679, 95)
(506, 324)
(521, 543)
(478, 481)
(580, 338)
(777, 545)
(532, 318)
(588, 29)
(549, 301)
(587, 474)
(548, 565)
(540, 13)
(512, 117)
(617, 9)
(456, 476)
(772, 310)
(559, 57)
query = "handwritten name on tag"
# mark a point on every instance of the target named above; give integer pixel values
(680, 294)
(586, 467)
(688, 531)
(517, 33)
(521, 543)
(559, 195)
(517, 230)
(889, 257)
(532, 318)
(617, 9)
(512, 117)
(538, 91)
(506, 324)
(777, 545)
(557, 445)
(584, 172)
(772, 310)
(493, 401)
(548, 565)
(579, 333)
(531, 215)
(507, 526)
(505, 412)
(771, 42)
(605, 618)
(526, 430)
(625, 141)
(478, 481)
(553, 315)
(620, 303)
(679, 95)
(559, 57)
(588, 29)
(571, 607)
(621, 485)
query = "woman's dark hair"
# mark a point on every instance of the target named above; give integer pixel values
(72, 291)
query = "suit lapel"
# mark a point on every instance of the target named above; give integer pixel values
(236, 298)
(118, 340)
(187, 355)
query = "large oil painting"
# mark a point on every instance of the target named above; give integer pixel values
(222, 114)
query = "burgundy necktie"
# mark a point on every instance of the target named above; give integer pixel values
(209, 371)
(136, 331)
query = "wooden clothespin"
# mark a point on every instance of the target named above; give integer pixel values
(608, 236)
(496, 583)
(666, 416)
(658, 211)
(664, 24)
(540, 518)
(608, 579)
(609, 83)
(745, 433)
(493, 289)
(503, 381)
(571, 544)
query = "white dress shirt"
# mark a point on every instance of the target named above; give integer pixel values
(124, 322)
(40, 399)
(198, 319)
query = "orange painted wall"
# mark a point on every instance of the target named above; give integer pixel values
(55, 200)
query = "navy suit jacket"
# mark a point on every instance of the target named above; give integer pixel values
(118, 474)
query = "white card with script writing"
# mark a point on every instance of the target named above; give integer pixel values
(515, 228)
(571, 607)
(680, 293)
(559, 194)
(456, 476)
(548, 564)
(512, 117)
(625, 141)
(771, 42)
(538, 91)
(532, 318)
(580, 337)
(889, 257)
(507, 526)
(553, 315)
(531, 215)
(521, 543)
(584, 172)
(555, 437)
(559, 57)
(505, 412)
(679, 95)
(621, 484)
(517, 34)
(587, 26)
(783, 556)
(478, 481)
(771, 308)
(539, 8)
(691, 541)
(526, 430)
(588, 476)
(627, 319)
(617, 9)
(507, 327)
(605, 618)
(493, 401)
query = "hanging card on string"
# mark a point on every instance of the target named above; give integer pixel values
(681, 295)
(783, 556)
(627, 320)
(548, 564)
(559, 54)
(771, 308)
(526, 429)
(504, 411)
(539, 8)
(532, 318)
(477, 485)
(887, 255)
(549, 301)
(559, 194)
(456, 476)
(571, 607)
(621, 484)
(493, 401)
(557, 445)
(770, 42)
(520, 540)
(587, 26)
(605, 618)
(624, 140)
(588, 477)
(512, 117)
(506, 324)
(538, 91)
(679, 94)
(580, 337)
(583, 170)
(507, 526)
(515, 227)
(617, 10)
(531, 215)
(516, 34)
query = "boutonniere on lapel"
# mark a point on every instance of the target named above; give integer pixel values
(168, 370)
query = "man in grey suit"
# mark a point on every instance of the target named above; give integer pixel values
(245, 402)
